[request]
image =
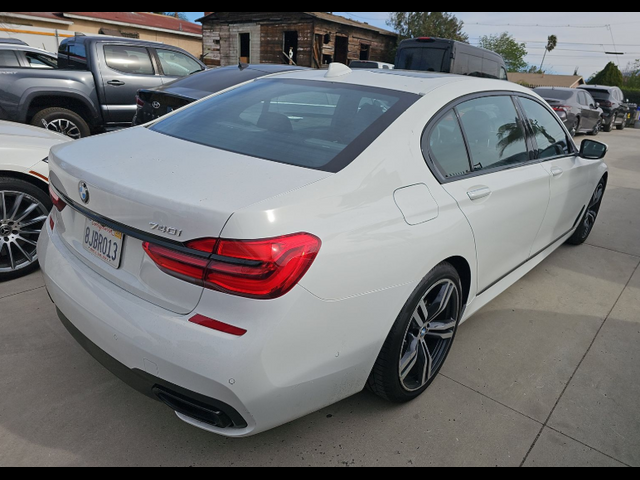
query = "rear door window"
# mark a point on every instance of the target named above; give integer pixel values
(128, 59)
(8, 59)
(494, 132)
(38, 60)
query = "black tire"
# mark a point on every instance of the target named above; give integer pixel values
(589, 218)
(23, 211)
(596, 128)
(62, 121)
(419, 341)
(622, 125)
(606, 127)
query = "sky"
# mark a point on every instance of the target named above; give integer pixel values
(584, 38)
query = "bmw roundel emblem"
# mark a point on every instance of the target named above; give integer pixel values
(84, 192)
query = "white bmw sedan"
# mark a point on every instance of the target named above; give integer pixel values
(275, 248)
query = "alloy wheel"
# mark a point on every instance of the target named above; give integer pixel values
(593, 207)
(64, 126)
(21, 220)
(429, 335)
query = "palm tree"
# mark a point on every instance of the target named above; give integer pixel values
(552, 41)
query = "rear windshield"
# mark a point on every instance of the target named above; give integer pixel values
(599, 94)
(317, 125)
(551, 93)
(424, 58)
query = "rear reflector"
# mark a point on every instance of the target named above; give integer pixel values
(56, 200)
(265, 268)
(216, 325)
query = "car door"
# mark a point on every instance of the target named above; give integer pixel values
(570, 175)
(127, 69)
(589, 115)
(500, 189)
(593, 107)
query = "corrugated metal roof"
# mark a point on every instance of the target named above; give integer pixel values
(143, 19)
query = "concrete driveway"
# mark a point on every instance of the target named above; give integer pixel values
(548, 374)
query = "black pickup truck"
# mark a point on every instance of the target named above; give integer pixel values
(91, 86)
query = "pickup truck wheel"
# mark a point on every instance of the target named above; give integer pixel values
(62, 121)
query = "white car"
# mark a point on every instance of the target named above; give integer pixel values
(267, 251)
(24, 194)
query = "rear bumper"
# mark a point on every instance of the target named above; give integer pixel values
(189, 403)
(299, 355)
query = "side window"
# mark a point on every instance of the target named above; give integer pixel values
(177, 64)
(128, 59)
(493, 131)
(584, 99)
(8, 59)
(549, 134)
(446, 147)
(37, 60)
(76, 56)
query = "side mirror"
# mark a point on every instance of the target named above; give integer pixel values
(592, 149)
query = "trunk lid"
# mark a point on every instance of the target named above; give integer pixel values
(153, 185)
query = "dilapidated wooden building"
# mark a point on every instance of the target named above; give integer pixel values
(308, 39)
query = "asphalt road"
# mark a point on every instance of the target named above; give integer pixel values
(545, 375)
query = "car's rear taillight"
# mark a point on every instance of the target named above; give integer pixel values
(561, 108)
(605, 103)
(266, 268)
(56, 200)
(139, 101)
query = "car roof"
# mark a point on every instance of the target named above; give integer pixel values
(215, 79)
(598, 87)
(562, 89)
(13, 41)
(411, 81)
(109, 38)
(25, 48)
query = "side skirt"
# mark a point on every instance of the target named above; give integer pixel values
(479, 301)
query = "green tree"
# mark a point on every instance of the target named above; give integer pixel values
(631, 74)
(511, 51)
(609, 75)
(432, 24)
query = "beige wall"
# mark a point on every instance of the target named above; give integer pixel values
(192, 45)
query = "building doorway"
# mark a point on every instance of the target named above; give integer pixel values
(244, 39)
(364, 51)
(341, 50)
(291, 47)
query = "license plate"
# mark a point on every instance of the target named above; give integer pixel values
(103, 242)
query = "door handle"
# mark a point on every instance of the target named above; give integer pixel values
(478, 193)
(115, 83)
(555, 171)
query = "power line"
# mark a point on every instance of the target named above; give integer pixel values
(548, 26)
